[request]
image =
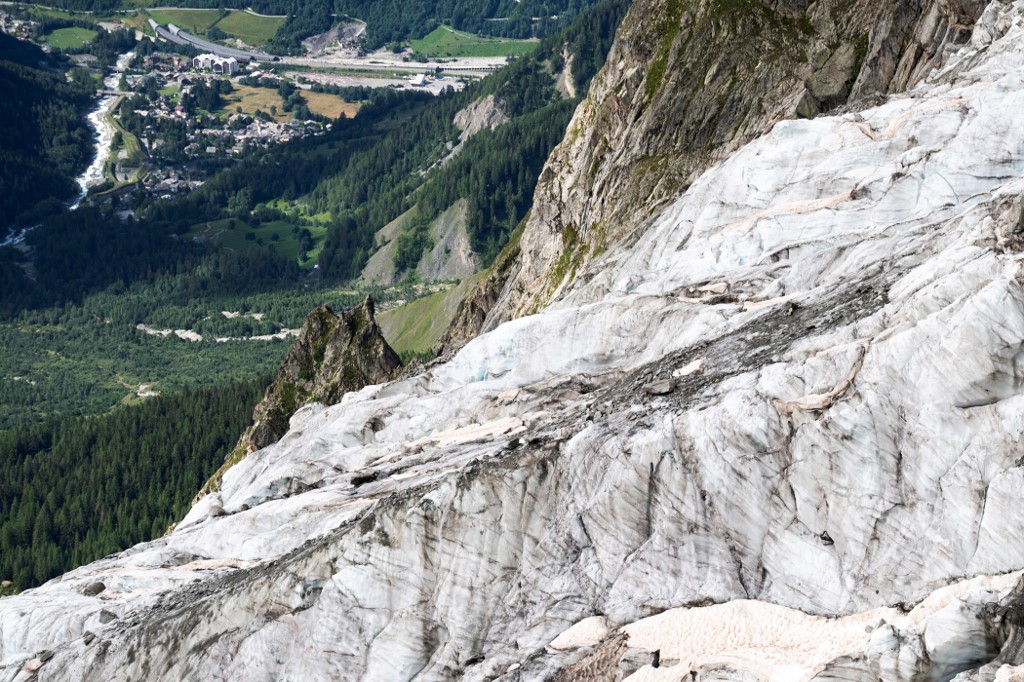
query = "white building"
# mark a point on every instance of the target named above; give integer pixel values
(211, 62)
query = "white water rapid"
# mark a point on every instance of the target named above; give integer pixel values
(103, 132)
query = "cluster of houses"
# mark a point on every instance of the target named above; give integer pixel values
(209, 63)
(256, 133)
(15, 27)
(231, 135)
(164, 61)
(166, 182)
(169, 181)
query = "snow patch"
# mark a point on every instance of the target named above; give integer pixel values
(588, 632)
(775, 643)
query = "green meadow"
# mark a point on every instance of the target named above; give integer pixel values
(278, 235)
(70, 38)
(447, 42)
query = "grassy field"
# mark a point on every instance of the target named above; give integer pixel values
(253, 99)
(251, 29)
(128, 140)
(277, 236)
(339, 71)
(52, 13)
(447, 42)
(417, 326)
(129, 143)
(136, 21)
(70, 38)
(326, 104)
(195, 21)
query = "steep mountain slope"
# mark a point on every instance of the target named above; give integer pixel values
(710, 77)
(46, 141)
(799, 393)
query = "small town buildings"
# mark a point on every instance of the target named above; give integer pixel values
(211, 62)
(162, 61)
(21, 30)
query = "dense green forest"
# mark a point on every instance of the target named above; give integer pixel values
(75, 490)
(46, 141)
(88, 250)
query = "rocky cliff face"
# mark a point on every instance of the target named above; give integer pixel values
(688, 83)
(332, 355)
(473, 310)
(776, 435)
(483, 114)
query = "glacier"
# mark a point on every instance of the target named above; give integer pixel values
(778, 435)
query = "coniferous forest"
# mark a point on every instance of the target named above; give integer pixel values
(77, 489)
(46, 142)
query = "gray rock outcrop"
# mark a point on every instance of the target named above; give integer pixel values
(685, 85)
(332, 355)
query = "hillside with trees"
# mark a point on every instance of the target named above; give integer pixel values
(496, 172)
(75, 490)
(46, 141)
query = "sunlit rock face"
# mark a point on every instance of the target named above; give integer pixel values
(779, 436)
(333, 355)
(685, 86)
